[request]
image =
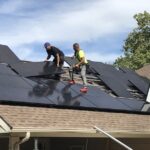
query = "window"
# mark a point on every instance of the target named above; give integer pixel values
(77, 147)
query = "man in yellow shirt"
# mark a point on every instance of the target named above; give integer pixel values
(82, 65)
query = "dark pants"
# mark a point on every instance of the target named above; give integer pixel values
(61, 62)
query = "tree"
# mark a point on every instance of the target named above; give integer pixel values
(137, 45)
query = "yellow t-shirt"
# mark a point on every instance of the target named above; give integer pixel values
(80, 54)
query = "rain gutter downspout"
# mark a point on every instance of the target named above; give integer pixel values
(25, 139)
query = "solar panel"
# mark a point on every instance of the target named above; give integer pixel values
(105, 70)
(134, 104)
(116, 85)
(113, 78)
(5, 70)
(13, 82)
(28, 69)
(54, 93)
(21, 96)
(140, 84)
(7, 56)
(61, 94)
(71, 61)
(104, 101)
(101, 100)
(102, 68)
(118, 80)
(136, 80)
(15, 89)
(64, 94)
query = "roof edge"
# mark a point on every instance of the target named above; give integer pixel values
(91, 133)
(4, 126)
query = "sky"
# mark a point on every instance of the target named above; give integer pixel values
(99, 26)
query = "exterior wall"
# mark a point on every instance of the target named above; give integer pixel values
(136, 144)
(86, 144)
(4, 143)
(67, 144)
(79, 144)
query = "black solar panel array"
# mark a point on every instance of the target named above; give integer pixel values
(16, 89)
(104, 101)
(119, 80)
(113, 78)
(7, 56)
(28, 69)
(120, 77)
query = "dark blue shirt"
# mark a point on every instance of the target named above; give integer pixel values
(54, 51)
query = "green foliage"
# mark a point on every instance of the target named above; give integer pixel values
(137, 45)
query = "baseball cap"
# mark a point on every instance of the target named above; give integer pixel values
(47, 44)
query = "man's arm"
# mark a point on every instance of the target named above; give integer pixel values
(74, 55)
(48, 56)
(81, 62)
(58, 59)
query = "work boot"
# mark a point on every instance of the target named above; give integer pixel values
(71, 82)
(84, 90)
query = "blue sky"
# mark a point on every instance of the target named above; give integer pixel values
(100, 26)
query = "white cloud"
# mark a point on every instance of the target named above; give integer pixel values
(69, 21)
(29, 54)
(100, 57)
(33, 55)
(10, 6)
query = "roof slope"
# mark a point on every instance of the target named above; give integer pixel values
(144, 71)
(116, 89)
(36, 117)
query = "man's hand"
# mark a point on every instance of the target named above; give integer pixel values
(58, 59)
(77, 65)
(46, 60)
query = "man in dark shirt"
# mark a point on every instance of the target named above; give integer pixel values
(56, 53)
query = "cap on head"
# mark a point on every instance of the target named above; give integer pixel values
(75, 45)
(47, 44)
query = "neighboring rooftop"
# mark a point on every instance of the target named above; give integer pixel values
(144, 71)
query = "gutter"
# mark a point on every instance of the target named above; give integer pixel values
(80, 132)
(25, 139)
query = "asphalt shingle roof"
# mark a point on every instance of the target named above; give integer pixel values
(144, 71)
(38, 117)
